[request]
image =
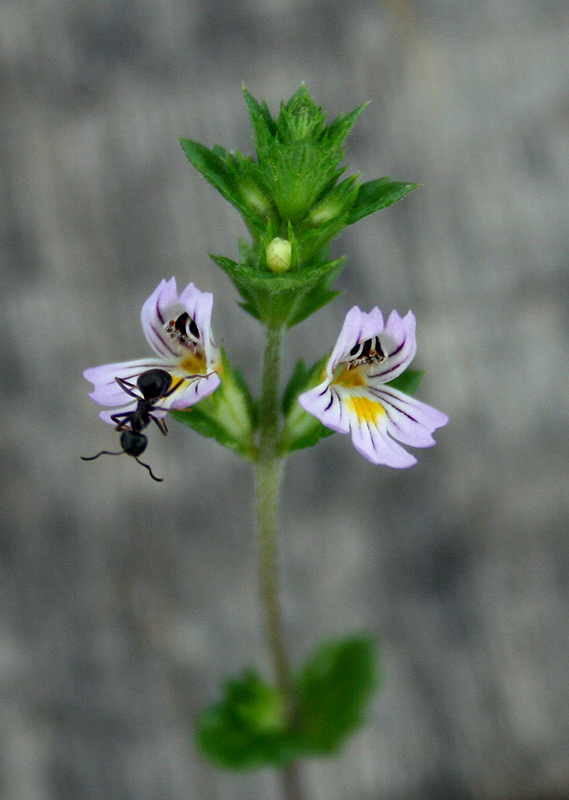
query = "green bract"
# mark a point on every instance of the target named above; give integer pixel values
(228, 415)
(291, 191)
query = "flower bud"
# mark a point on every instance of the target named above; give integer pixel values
(257, 201)
(278, 255)
(325, 211)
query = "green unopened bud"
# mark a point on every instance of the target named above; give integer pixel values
(279, 253)
(325, 211)
(258, 202)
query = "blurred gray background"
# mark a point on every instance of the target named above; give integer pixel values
(124, 603)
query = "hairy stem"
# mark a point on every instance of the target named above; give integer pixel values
(268, 481)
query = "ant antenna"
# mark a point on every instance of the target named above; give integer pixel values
(142, 464)
(120, 453)
(103, 452)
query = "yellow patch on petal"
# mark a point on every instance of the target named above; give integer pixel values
(349, 378)
(193, 364)
(366, 410)
(176, 383)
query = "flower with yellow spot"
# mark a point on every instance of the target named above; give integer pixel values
(178, 328)
(355, 396)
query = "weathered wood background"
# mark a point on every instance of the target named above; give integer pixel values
(123, 603)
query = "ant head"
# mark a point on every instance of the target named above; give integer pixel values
(133, 443)
(154, 383)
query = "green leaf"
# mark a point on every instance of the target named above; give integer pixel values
(334, 690)
(378, 194)
(261, 120)
(247, 729)
(283, 299)
(408, 381)
(339, 128)
(314, 300)
(214, 167)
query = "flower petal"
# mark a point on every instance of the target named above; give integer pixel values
(374, 444)
(199, 306)
(154, 318)
(409, 420)
(358, 327)
(325, 404)
(399, 344)
(192, 391)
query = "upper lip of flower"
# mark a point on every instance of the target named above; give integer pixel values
(396, 339)
(191, 358)
(354, 396)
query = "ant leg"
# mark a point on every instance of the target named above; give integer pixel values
(121, 419)
(127, 387)
(152, 475)
(161, 423)
(103, 452)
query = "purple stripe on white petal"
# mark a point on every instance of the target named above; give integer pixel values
(410, 421)
(325, 404)
(373, 443)
(193, 391)
(153, 319)
(348, 337)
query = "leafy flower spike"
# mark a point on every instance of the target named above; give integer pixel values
(177, 327)
(356, 397)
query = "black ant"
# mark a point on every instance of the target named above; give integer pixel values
(153, 385)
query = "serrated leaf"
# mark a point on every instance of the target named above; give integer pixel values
(408, 381)
(340, 127)
(334, 689)
(247, 728)
(312, 302)
(278, 299)
(213, 165)
(262, 122)
(378, 194)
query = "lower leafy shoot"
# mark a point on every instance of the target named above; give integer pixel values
(250, 728)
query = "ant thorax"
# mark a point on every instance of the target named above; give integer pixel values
(367, 352)
(183, 329)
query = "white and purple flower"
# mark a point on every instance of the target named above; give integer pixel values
(178, 328)
(355, 396)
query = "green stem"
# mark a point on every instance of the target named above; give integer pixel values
(268, 482)
(268, 479)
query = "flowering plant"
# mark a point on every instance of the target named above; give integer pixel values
(293, 203)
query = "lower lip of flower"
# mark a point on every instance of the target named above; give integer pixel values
(366, 410)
